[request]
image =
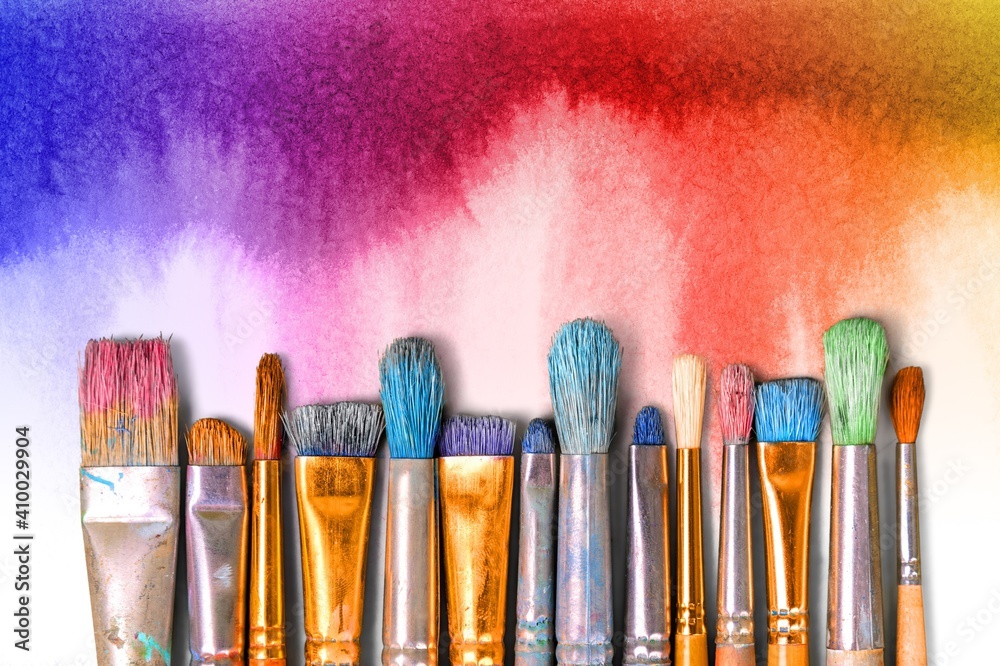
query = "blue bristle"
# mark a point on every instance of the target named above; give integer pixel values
(412, 391)
(789, 410)
(538, 438)
(584, 363)
(350, 429)
(648, 429)
(476, 436)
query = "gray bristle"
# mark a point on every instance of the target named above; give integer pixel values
(345, 429)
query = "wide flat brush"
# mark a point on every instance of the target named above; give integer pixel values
(856, 354)
(907, 406)
(734, 636)
(130, 497)
(267, 587)
(217, 522)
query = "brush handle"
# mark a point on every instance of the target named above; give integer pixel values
(535, 642)
(267, 596)
(735, 655)
(911, 644)
(855, 657)
(691, 650)
(266, 662)
(796, 654)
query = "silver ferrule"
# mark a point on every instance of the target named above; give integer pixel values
(410, 616)
(735, 604)
(535, 642)
(583, 563)
(647, 577)
(130, 520)
(907, 515)
(217, 525)
(854, 619)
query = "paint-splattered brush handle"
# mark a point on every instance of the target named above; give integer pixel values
(536, 641)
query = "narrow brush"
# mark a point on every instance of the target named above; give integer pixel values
(907, 406)
(412, 390)
(734, 637)
(476, 486)
(689, 379)
(856, 354)
(584, 363)
(647, 579)
(267, 611)
(217, 521)
(128, 424)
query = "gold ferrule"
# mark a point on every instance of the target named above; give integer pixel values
(267, 608)
(476, 494)
(786, 481)
(690, 560)
(334, 500)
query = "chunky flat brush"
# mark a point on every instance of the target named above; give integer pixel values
(476, 487)
(734, 635)
(217, 522)
(412, 395)
(647, 577)
(584, 362)
(130, 497)
(334, 475)
(856, 354)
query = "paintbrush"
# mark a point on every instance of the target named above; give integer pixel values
(691, 642)
(584, 362)
(216, 523)
(412, 392)
(334, 474)
(267, 607)
(130, 497)
(536, 563)
(906, 408)
(647, 578)
(856, 354)
(734, 634)
(788, 417)
(476, 487)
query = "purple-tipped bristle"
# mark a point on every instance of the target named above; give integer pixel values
(476, 436)
(736, 404)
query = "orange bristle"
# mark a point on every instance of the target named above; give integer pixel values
(215, 442)
(907, 403)
(267, 409)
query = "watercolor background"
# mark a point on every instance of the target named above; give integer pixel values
(318, 178)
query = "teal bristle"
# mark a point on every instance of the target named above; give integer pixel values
(789, 410)
(346, 429)
(412, 391)
(538, 438)
(856, 355)
(476, 436)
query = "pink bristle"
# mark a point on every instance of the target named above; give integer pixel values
(736, 404)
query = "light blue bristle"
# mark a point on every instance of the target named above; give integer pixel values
(789, 410)
(412, 391)
(538, 438)
(349, 429)
(476, 436)
(648, 430)
(584, 363)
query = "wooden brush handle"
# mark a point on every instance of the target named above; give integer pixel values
(734, 655)
(788, 655)
(911, 644)
(855, 657)
(691, 650)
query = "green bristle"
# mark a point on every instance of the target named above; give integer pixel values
(856, 355)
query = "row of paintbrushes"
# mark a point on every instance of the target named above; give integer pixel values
(130, 485)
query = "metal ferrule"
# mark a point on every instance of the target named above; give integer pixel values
(583, 563)
(907, 515)
(334, 496)
(410, 604)
(690, 559)
(267, 606)
(735, 602)
(535, 644)
(130, 520)
(217, 522)
(476, 493)
(786, 483)
(854, 621)
(647, 578)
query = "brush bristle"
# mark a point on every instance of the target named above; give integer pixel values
(477, 436)
(538, 438)
(412, 390)
(856, 354)
(267, 408)
(789, 410)
(736, 404)
(648, 430)
(215, 442)
(345, 429)
(128, 404)
(907, 403)
(689, 399)
(584, 363)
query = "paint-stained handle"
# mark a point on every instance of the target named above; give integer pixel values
(266, 662)
(855, 657)
(788, 655)
(691, 650)
(911, 644)
(735, 655)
